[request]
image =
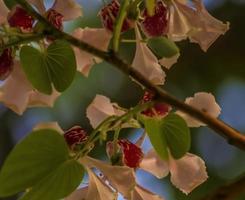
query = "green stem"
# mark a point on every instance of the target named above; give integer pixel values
(23, 40)
(232, 136)
(119, 24)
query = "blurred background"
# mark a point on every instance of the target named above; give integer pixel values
(220, 71)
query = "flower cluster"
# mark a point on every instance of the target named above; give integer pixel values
(171, 21)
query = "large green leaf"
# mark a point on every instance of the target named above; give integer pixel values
(58, 184)
(153, 127)
(39, 154)
(163, 47)
(170, 132)
(55, 66)
(177, 134)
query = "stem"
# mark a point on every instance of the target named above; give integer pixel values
(23, 40)
(228, 192)
(232, 136)
(119, 24)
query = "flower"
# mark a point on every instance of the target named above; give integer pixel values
(96, 37)
(6, 63)
(194, 22)
(18, 94)
(157, 24)
(146, 62)
(108, 15)
(187, 173)
(204, 102)
(100, 109)
(159, 109)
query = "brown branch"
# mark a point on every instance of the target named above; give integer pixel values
(229, 191)
(232, 136)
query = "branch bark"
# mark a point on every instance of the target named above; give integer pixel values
(229, 191)
(232, 136)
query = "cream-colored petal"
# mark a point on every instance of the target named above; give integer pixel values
(96, 37)
(79, 194)
(39, 4)
(3, 12)
(14, 93)
(70, 9)
(100, 109)
(146, 62)
(188, 172)
(49, 125)
(169, 62)
(202, 101)
(140, 193)
(115, 175)
(194, 22)
(153, 164)
(97, 189)
(39, 99)
(211, 28)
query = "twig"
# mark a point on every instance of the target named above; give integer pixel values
(232, 136)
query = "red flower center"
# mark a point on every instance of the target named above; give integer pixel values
(156, 25)
(132, 154)
(159, 109)
(6, 63)
(109, 14)
(55, 18)
(18, 17)
(74, 136)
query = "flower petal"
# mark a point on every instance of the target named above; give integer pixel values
(194, 22)
(153, 164)
(39, 99)
(97, 189)
(146, 62)
(115, 175)
(79, 194)
(3, 12)
(16, 90)
(70, 9)
(100, 109)
(96, 37)
(188, 172)
(38, 4)
(203, 101)
(169, 62)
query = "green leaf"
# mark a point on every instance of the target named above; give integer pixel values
(170, 132)
(153, 127)
(39, 154)
(150, 5)
(163, 47)
(56, 66)
(177, 135)
(58, 184)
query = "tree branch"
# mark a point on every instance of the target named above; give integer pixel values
(228, 192)
(232, 136)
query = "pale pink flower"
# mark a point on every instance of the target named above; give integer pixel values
(69, 9)
(17, 93)
(187, 173)
(96, 37)
(146, 62)
(194, 22)
(204, 102)
(3, 12)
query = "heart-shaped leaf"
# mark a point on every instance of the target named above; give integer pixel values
(56, 66)
(34, 157)
(170, 132)
(58, 184)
